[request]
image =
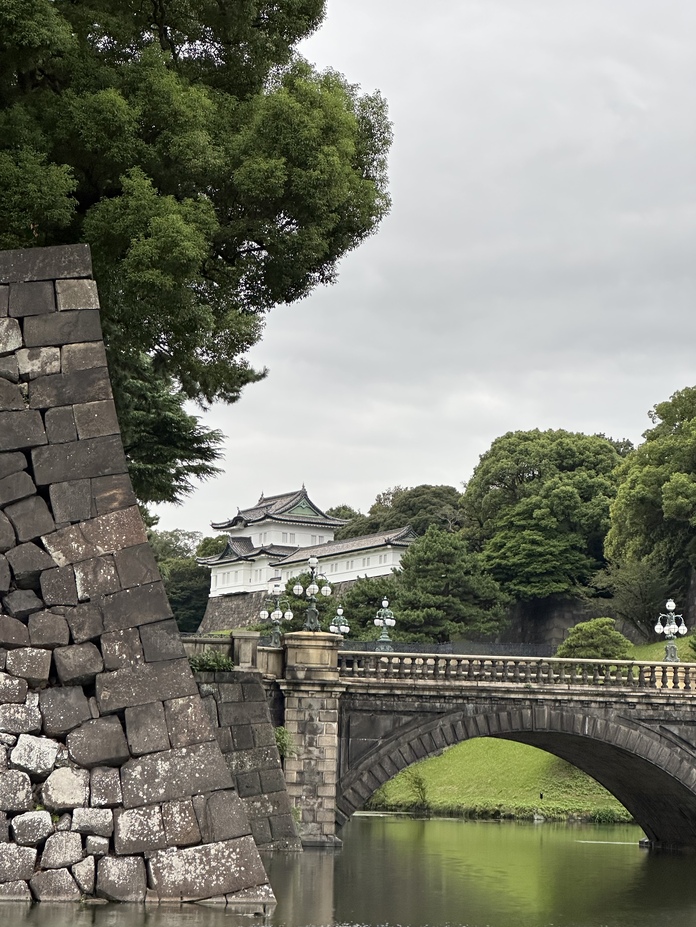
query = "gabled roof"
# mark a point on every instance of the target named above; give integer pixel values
(243, 549)
(401, 537)
(288, 508)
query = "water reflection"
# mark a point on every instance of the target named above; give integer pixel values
(395, 871)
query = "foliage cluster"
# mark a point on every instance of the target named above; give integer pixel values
(211, 661)
(595, 639)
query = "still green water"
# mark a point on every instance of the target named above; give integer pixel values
(443, 873)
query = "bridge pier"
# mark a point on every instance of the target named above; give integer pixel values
(312, 691)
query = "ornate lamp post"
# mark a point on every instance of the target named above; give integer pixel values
(277, 615)
(312, 620)
(384, 620)
(670, 627)
(339, 625)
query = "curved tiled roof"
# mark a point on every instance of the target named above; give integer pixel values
(401, 537)
(281, 509)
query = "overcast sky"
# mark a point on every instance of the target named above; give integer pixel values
(537, 268)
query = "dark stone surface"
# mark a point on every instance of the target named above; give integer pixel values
(180, 823)
(187, 721)
(121, 649)
(58, 586)
(59, 261)
(82, 356)
(37, 362)
(27, 561)
(19, 604)
(48, 630)
(173, 774)
(206, 871)
(31, 299)
(162, 641)
(112, 493)
(9, 368)
(101, 535)
(10, 336)
(146, 729)
(60, 425)
(12, 689)
(63, 389)
(8, 538)
(30, 663)
(78, 664)
(15, 487)
(71, 500)
(136, 566)
(20, 430)
(16, 862)
(96, 577)
(31, 518)
(76, 294)
(13, 633)
(77, 460)
(63, 709)
(137, 606)
(221, 816)
(100, 742)
(143, 683)
(62, 328)
(138, 830)
(121, 879)
(11, 396)
(5, 574)
(85, 622)
(54, 885)
(94, 419)
(11, 463)
(105, 787)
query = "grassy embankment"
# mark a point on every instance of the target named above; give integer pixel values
(486, 777)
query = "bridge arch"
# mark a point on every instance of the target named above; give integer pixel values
(657, 785)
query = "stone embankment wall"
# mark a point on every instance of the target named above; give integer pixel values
(112, 782)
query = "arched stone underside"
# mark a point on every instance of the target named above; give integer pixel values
(111, 779)
(656, 784)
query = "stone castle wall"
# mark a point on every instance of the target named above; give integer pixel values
(112, 782)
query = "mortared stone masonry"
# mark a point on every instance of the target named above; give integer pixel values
(112, 783)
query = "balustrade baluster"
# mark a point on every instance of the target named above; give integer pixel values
(687, 678)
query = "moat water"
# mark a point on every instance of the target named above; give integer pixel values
(445, 873)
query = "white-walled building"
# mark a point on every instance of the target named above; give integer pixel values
(273, 541)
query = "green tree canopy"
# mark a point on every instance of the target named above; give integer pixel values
(654, 514)
(443, 592)
(187, 584)
(361, 602)
(418, 506)
(537, 510)
(214, 173)
(596, 639)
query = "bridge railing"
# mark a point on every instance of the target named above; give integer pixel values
(523, 671)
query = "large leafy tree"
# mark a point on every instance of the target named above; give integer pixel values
(187, 584)
(537, 510)
(214, 173)
(654, 514)
(418, 506)
(443, 592)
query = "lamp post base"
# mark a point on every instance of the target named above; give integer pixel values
(671, 655)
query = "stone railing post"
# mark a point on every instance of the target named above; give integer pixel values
(244, 647)
(312, 691)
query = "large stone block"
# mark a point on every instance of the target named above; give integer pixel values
(98, 821)
(12, 690)
(9, 368)
(76, 294)
(121, 649)
(30, 663)
(48, 630)
(27, 562)
(11, 396)
(34, 755)
(59, 261)
(85, 622)
(54, 885)
(71, 501)
(180, 823)
(37, 362)
(99, 742)
(21, 719)
(15, 795)
(162, 641)
(174, 774)
(16, 862)
(31, 828)
(58, 586)
(78, 664)
(31, 518)
(67, 389)
(187, 721)
(121, 879)
(82, 356)
(84, 874)
(15, 891)
(96, 419)
(21, 429)
(76, 460)
(12, 463)
(61, 328)
(143, 683)
(98, 536)
(63, 709)
(8, 537)
(10, 336)
(206, 871)
(16, 486)
(31, 299)
(136, 566)
(106, 788)
(61, 850)
(146, 729)
(18, 604)
(5, 575)
(60, 425)
(221, 816)
(138, 830)
(137, 606)
(96, 577)
(66, 789)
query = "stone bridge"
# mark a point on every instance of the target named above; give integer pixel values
(358, 718)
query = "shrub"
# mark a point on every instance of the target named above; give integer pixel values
(284, 742)
(211, 661)
(597, 639)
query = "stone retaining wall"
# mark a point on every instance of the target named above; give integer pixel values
(112, 782)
